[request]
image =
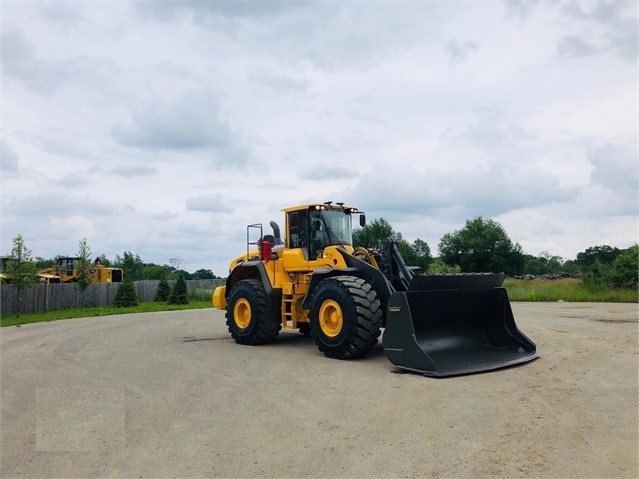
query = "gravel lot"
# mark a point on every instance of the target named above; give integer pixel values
(171, 395)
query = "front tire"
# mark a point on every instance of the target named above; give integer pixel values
(345, 317)
(248, 316)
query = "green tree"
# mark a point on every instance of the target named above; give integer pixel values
(596, 276)
(416, 254)
(376, 232)
(570, 266)
(21, 269)
(203, 274)
(179, 294)
(623, 271)
(103, 260)
(608, 267)
(42, 263)
(373, 234)
(437, 266)
(163, 292)
(83, 265)
(603, 253)
(182, 272)
(177, 263)
(125, 296)
(155, 271)
(132, 266)
(482, 245)
(543, 264)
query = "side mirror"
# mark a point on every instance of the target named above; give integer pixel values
(362, 220)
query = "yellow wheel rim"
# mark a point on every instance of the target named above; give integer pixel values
(242, 313)
(331, 319)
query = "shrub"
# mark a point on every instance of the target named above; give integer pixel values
(125, 295)
(439, 267)
(620, 274)
(179, 294)
(163, 292)
(595, 278)
(623, 271)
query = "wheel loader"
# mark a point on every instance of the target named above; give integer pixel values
(65, 271)
(314, 280)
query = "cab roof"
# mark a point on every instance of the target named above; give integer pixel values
(320, 206)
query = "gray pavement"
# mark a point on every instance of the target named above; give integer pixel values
(165, 395)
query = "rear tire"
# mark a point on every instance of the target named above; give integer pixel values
(247, 314)
(345, 317)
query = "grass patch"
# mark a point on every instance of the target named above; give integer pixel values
(104, 311)
(566, 289)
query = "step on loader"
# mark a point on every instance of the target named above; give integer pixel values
(315, 281)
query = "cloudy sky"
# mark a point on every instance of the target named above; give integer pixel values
(164, 128)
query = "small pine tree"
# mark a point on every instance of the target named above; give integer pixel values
(163, 292)
(179, 294)
(125, 295)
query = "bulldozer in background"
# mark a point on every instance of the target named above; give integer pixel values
(65, 271)
(315, 281)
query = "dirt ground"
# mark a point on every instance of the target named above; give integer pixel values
(166, 395)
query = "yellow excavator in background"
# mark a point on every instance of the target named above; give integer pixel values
(65, 271)
(4, 277)
(314, 280)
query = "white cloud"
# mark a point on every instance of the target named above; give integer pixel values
(8, 160)
(208, 203)
(612, 25)
(615, 168)
(458, 51)
(128, 170)
(572, 46)
(189, 121)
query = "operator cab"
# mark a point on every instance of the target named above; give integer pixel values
(316, 226)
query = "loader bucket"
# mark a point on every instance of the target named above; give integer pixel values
(450, 325)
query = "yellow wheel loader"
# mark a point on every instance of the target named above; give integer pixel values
(315, 281)
(65, 271)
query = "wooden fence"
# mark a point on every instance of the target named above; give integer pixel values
(53, 297)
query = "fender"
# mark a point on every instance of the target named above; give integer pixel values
(255, 269)
(358, 268)
(374, 277)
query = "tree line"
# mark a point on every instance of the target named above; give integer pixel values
(21, 270)
(483, 245)
(135, 269)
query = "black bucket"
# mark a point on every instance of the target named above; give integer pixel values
(452, 325)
